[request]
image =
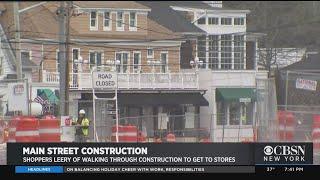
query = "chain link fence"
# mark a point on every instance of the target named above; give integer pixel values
(299, 95)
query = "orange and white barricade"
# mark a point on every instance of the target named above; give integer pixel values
(125, 134)
(27, 129)
(171, 137)
(205, 140)
(286, 125)
(141, 137)
(49, 129)
(12, 128)
(2, 131)
(316, 132)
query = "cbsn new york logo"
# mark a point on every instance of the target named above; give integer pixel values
(285, 153)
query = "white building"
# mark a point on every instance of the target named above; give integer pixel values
(229, 70)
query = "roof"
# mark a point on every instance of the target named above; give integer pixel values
(192, 4)
(282, 56)
(312, 63)
(169, 18)
(110, 4)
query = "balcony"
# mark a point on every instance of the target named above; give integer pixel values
(82, 81)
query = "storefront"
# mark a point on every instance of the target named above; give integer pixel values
(235, 106)
(155, 114)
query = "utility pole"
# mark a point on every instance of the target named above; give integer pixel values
(67, 77)
(17, 39)
(62, 57)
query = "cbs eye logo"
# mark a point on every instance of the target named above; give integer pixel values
(268, 150)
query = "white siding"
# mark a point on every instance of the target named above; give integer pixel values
(4, 51)
(5, 65)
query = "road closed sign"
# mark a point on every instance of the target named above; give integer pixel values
(104, 80)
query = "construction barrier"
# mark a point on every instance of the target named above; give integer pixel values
(12, 128)
(49, 129)
(2, 131)
(27, 129)
(141, 137)
(316, 132)
(205, 140)
(171, 137)
(125, 134)
(286, 125)
(157, 140)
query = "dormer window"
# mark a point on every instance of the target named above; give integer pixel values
(133, 21)
(213, 21)
(93, 20)
(226, 21)
(120, 25)
(238, 21)
(106, 21)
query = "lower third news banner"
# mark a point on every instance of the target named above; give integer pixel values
(151, 157)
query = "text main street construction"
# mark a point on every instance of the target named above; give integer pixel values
(85, 151)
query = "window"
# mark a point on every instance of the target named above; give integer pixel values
(238, 21)
(214, 51)
(164, 62)
(106, 21)
(1, 66)
(239, 52)
(226, 51)
(58, 60)
(25, 55)
(123, 57)
(226, 21)
(95, 58)
(213, 21)
(149, 53)
(93, 20)
(120, 25)
(222, 113)
(234, 113)
(202, 20)
(201, 47)
(75, 57)
(136, 62)
(247, 114)
(133, 21)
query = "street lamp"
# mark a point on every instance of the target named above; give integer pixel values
(196, 63)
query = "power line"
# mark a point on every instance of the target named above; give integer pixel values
(141, 49)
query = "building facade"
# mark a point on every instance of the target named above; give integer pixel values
(228, 69)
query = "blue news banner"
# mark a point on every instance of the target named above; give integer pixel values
(158, 158)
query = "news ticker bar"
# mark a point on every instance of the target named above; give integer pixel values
(153, 154)
(133, 169)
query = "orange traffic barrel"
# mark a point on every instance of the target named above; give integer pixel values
(316, 132)
(141, 137)
(205, 140)
(27, 129)
(286, 125)
(171, 137)
(125, 133)
(49, 129)
(12, 128)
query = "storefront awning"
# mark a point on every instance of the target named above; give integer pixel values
(163, 99)
(235, 94)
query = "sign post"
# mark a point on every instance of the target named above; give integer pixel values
(104, 80)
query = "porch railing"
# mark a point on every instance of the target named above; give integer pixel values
(132, 80)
